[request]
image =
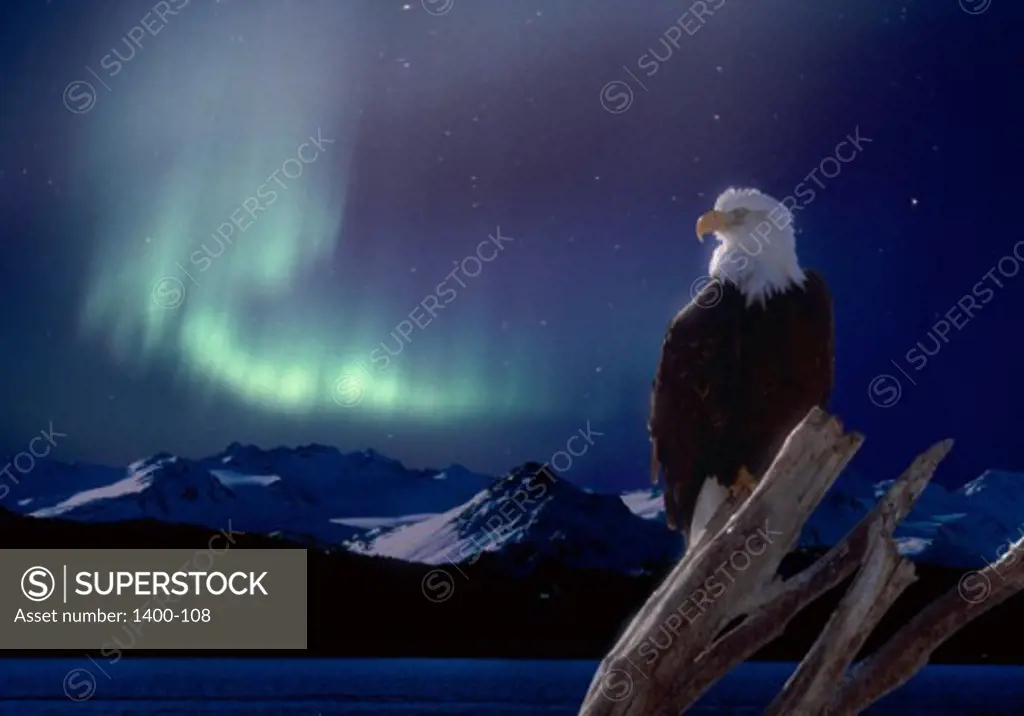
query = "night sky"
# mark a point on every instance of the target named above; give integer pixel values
(361, 154)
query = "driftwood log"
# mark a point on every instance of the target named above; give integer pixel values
(724, 600)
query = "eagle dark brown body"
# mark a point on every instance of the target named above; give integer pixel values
(732, 382)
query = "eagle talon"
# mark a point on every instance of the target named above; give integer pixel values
(744, 485)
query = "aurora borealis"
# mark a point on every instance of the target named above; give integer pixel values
(278, 221)
(239, 220)
(234, 220)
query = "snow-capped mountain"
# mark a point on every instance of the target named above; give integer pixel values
(348, 485)
(50, 482)
(1001, 496)
(175, 490)
(649, 504)
(371, 503)
(313, 494)
(163, 486)
(530, 517)
(961, 528)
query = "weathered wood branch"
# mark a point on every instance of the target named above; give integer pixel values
(880, 581)
(677, 645)
(646, 671)
(908, 650)
(790, 597)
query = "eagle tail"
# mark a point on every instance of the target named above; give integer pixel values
(711, 496)
(671, 508)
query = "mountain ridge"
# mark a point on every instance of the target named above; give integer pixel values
(372, 504)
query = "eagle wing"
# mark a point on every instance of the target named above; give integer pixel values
(691, 398)
(822, 315)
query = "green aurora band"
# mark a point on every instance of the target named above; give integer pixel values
(240, 143)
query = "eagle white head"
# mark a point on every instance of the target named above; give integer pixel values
(757, 246)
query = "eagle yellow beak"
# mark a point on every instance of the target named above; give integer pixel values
(711, 222)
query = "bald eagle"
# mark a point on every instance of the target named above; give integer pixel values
(740, 365)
